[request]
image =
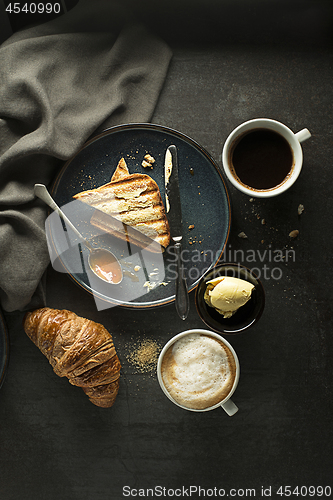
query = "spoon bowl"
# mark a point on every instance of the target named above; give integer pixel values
(105, 265)
(102, 262)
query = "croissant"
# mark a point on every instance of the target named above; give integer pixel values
(78, 349)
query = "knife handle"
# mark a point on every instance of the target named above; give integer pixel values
(182, 298)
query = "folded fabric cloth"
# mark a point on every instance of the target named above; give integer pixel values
(60, 82)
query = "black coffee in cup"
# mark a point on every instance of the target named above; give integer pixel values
(261, 159)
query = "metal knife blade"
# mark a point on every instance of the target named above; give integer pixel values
(173, 203)
(174, 214)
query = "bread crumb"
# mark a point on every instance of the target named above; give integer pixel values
(242, 235)
(148, 161)
(149, 158)
(300, 209)
(294, 233)
(150, 285)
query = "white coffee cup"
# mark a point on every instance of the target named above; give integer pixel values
(227, 404)
(294, 141)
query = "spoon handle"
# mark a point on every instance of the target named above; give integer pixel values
(41, 192)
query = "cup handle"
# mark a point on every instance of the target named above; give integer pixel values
(229, 407)
(303, 135)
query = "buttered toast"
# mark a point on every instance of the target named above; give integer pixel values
(134, 199)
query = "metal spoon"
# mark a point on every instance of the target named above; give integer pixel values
(99, 259)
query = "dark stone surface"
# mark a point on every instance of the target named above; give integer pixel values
(55, 444)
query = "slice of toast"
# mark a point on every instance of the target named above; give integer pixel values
(133, 199)
(121, 171)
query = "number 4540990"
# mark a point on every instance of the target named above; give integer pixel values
(305, 491)
(33, 8)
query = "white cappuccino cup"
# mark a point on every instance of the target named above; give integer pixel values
(198, 370)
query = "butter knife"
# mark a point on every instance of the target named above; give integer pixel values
(174, 215)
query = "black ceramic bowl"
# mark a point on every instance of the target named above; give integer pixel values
(246, 316)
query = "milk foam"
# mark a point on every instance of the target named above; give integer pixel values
(198, 371)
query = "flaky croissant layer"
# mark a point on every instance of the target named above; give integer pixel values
(79, 349)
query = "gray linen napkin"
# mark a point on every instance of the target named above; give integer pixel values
(60, 82)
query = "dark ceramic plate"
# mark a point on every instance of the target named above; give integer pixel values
(205, 205)
(246, 316)
(4, 348)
